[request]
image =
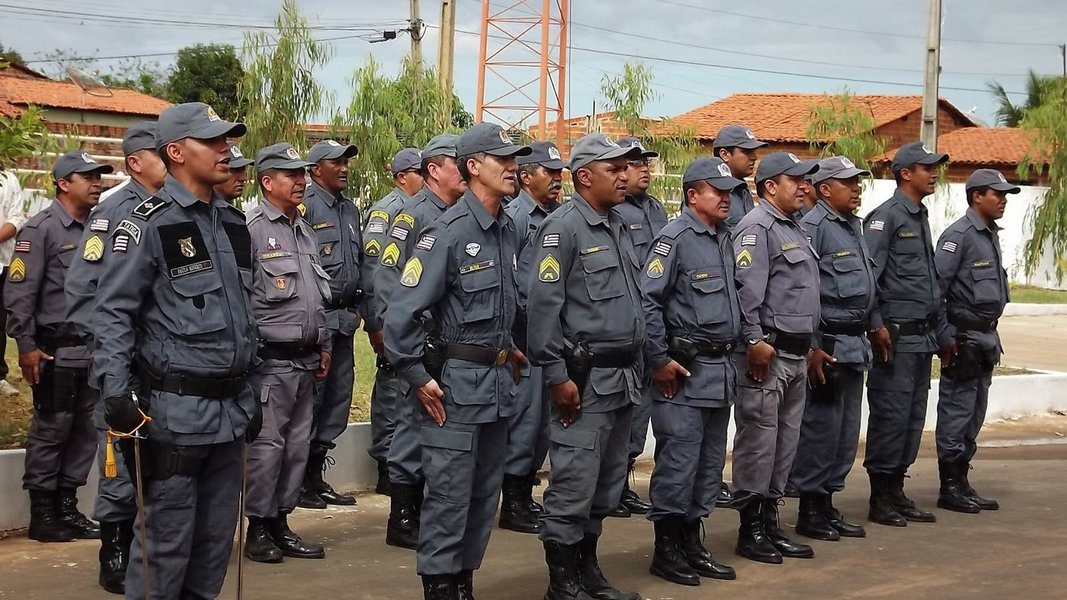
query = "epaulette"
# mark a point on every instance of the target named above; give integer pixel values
(35, 221)
(146, 209)
(674, 229)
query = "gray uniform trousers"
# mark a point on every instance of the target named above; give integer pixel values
(528, 430)
(61, 445)
(333, 396)
(961, 408)
(690, 456)
(278, 457)
(897, 393)
(183, 513)
(405, 450)
(464, 467)
(767, 416)
(829, 435)
(116, 499)
(642, 417)
(588, 471)
(383, 407)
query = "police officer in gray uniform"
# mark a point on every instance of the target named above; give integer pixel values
(540, 175)
(644, 216)
(115, 506)
(462, 270)
(736, 146)
(829, 434)
(289, 289)
(778, 281)
(53, 355)
(971, 276)
(694, 322)
(405, 168)
(898, 234)
(444, 186)
(233, 188)
(176, 339)
(586, 333)
(336, 223)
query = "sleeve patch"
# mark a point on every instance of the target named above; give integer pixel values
(94, 249)
(99, 225)
(548, 270)
(551, 240)
(399, 233)
(376, 227)
(877, 225)
(663, 248)
(372, 248)
(132, 229)
(16, 271)
(22, 246)
(748, 239)
(949, 247)
(744, 259)
(655, 268)
(391, 255)
(122, 242)
(412, 273)
(405, 218)
(426, 243)
(379, 214)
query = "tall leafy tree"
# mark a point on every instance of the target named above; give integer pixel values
(208, 73)
(1045, 123)
(840, 126)
(1010, 114)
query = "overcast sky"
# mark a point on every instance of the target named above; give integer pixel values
(699, 50)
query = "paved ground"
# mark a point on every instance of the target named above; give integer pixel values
(1035, 342)
(1017, 552)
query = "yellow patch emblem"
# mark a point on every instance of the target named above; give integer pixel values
(405, 218)
(744, 259)
(655, 269)
(94, 249)
(372, 247)
(391, 256)
(378, 214)
(16, 271)
(548, 271)
(412, 273)
(303, 209)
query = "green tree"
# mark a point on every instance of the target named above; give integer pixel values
(207, 73)
(1011, 115)
(10, 56)
(279, 90)
(1045, 124)
(20, 137)
(461, 119)
(133, 73)
(840, 126)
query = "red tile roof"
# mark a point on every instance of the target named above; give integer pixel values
(986, 146)
(784, 117)
(17, 92)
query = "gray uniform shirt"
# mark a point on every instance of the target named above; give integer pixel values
(289, 286)
(741, 203)
(585, 291)
(688, 290)
(462, 271)
(644, 216)
(33, 295)
(777, 274)
(527, 215)
(847, 285)
(180, 300)
(336, 223)
(375, 234)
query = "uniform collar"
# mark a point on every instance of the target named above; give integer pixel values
(482, 216)
(398, 193)
(433, 197)
(528, 204)
(180, 194)
(591, 216)
(330, 198)
(978, 223)
(61, 211)
(768, 206)
(830, 212)
(270, 211)
(901, 198)
(138, 190)
(694, 222)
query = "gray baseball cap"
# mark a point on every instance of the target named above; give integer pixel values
(329, 150)
(139, 136)
(712, 170)
(778, 163)
(633, 142)
(737, 136)
(491, 139)
(597, 146)
(545, 154)
(78, 161)
(916, 153)
(990, 178)
(193, 120)
(406, 160)
(280, 156)
(441, 145)
(237, 159)
(837, 167)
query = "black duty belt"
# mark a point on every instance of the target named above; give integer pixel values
(49, 342)
(858, 328)
(790, 343)
(286, 351)
(973, 324)
(485, 355)
(913, 327)
(715, 349)
(613, 358)
(191, 385)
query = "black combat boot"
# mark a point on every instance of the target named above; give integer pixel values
(464, 583)
(259, 546)
(290, 543)
(115, 538)
(591, 578)
(308, 498)
(45, 525)
(725, 499)
(904, 505)
(630, 499)
(382, 487)
(812, 521)
(698, 556)
(318, 462)
(67, 507)
(838, 522)
(668, 561)
(752, 541)
(438, 587)
(563, 583)
(777, 536)
(882, 510)
(531, 482)
(951, 496)
(402, 529)
(982, 502)
(515, 506)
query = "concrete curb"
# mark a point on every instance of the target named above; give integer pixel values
(1020, 310)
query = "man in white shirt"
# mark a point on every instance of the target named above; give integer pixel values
(12, 216)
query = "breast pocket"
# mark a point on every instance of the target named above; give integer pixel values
(910, 262)
(280, 279)
(709, 297)
(198, 306)
(330, 251)
(849, 276)
(480, 289)
(603, 277)
(986, 284)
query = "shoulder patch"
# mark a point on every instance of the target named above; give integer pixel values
(876, 225)
(147, 208)
(426, 242)
(16, 271)
(372, 247)
(749, 239)
(744, 259)
(376, 227)
(99, 225)
(405, 218)
(378, 214)
(662, 248)
(391, 255)
(655, 268)
(949, 247)
(121, 243)
(22, 246)
(131, 228)
(551, 240)
(302, 208)
(412, 273)
(94, 249)
(548, 270)
(399, 233)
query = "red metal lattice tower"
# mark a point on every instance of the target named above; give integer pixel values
(522, 64)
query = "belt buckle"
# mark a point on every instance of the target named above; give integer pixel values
(501, 357)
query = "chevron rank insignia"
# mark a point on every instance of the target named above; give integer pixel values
(548, 270)
(655, 269)
(94, 249)
(412, 273)
(744, 259)
(303, 209)
(391, 255)
(16, 271)
(372, 247)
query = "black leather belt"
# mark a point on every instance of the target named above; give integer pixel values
(479, 354)
(715, 349)
(790, 343)
(613, 358)
(841, 328)
(969, 324)
(913, 327)
(190, 385)
(286, 351)
(50, 342)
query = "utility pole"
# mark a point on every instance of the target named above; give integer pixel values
(928, 129)
(446, 52)
(416, 30)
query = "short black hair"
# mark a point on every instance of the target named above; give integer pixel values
(530, 168)
(424, 166)
(761, 186)
(259, 179)
(461, 162)
(971, 192)
(697, 185)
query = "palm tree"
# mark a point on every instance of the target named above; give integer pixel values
(1009, 114)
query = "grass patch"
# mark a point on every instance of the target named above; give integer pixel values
(1027, 294)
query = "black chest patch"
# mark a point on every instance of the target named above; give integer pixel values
(184, 249)
(241, 242)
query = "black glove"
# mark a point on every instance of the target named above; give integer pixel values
(121, 414)
(254, 425)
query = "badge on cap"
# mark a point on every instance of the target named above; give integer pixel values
(292, 153)
(333, 143)
(473, 249)
(793, 157)
(724, 170)
(553, 153)
(749, 134)
(88, 159)
(1000, 176)
(504, 137)
(236, 152)
(927, 150)
(610, 141)
(211, 114)
(848, 164)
